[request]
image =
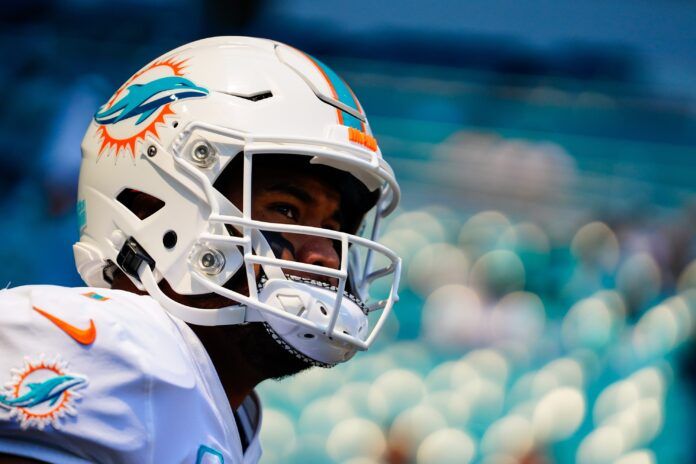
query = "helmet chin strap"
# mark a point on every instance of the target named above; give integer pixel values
(228, 315)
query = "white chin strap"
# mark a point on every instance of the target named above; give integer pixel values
(280, 302)
(228, 315)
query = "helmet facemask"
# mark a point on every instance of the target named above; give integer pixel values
(318, 310)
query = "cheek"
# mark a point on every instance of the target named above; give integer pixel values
(260, 214)
(260, 209)
(235, 196)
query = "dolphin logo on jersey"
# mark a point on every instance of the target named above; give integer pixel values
(143, 100)
(50, 390)
(41, 392)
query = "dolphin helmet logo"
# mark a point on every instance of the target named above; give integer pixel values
(41, 393)
(140, 106)
(144, 99)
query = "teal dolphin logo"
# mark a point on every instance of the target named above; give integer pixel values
(143, 100)
(47, 391)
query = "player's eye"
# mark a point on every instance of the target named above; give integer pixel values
(286, 210)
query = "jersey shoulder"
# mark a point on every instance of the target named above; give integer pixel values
(63, 317)
(126, 332)
(95, 302)
(99, 371)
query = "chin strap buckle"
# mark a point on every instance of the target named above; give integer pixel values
(131, 256)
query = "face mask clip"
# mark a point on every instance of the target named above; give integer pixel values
(132, 256)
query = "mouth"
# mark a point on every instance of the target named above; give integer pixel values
(332, 281)
(325, 283)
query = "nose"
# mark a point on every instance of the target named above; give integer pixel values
(318, 251)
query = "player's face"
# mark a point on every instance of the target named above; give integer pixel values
(291, 196)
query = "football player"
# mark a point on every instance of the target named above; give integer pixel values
(229, 204)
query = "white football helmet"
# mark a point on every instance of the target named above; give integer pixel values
(171, 130)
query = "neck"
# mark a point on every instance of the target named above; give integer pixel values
(237, 374)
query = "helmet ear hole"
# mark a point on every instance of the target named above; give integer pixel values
(169, 239)
(141, 204)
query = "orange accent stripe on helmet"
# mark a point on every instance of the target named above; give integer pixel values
(354, 135)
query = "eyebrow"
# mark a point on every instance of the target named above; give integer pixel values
(304, 196)
(297, 192)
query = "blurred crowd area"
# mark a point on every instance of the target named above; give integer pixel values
(511, 345)
(547, 160)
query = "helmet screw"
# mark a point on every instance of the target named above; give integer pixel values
(211, 261)
(208, 260)
(151, 151)
(202, 154)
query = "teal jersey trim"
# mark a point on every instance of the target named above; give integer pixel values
(204, 451)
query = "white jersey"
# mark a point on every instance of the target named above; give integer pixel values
(108, 376)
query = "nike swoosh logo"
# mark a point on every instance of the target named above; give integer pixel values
(81, 336)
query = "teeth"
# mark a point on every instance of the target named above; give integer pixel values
(318, 283)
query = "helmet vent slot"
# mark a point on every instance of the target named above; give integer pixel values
(260, 96)
(255, 97)
(139, 203)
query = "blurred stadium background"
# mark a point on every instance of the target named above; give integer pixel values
(547, 155)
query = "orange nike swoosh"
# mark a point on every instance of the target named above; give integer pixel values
(82, 336)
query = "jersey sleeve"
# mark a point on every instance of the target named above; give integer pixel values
(94, 375)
